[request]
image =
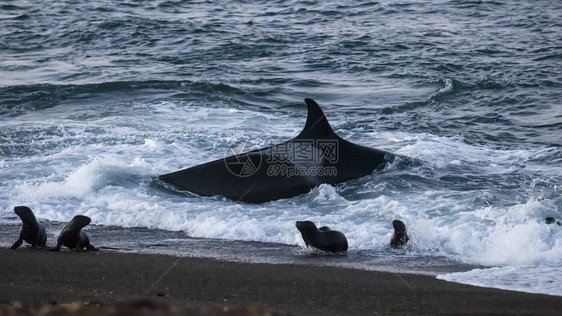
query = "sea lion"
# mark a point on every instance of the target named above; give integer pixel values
(549, 220)
(324, 238)
(72, 235)
(399, 238)
(31, 231)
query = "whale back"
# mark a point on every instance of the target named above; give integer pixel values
(263, 175)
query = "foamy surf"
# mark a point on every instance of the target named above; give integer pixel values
(475, 228)
(84, 130)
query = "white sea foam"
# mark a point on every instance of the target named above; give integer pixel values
(532, 279)
(448, 87)
(106, 172)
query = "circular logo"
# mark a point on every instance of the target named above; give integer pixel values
(242, 159)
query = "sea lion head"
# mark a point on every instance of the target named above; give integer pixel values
(26, 215)
(549, 220)
(306, 226)
(399, 227)
(308, 231)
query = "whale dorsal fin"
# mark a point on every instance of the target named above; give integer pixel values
(317, 125)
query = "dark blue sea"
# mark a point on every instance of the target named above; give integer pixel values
(99, 97)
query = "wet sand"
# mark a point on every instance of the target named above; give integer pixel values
(100, 281)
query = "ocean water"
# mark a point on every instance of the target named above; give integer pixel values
(98, 98)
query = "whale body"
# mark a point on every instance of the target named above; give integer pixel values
(316, 156)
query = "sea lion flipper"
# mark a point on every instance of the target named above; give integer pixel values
(91, 248)
(17, 244)
(84, 242)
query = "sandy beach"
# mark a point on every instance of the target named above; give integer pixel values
(104, 279)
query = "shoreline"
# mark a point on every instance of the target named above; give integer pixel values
(142, 240)
(31, 277)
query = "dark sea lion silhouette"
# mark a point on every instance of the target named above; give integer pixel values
(324, 238)
(72, 235)
(316, 156)
(400, 237)
(549, 220)
(31, 231)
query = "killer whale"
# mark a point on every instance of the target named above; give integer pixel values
(316, 156)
